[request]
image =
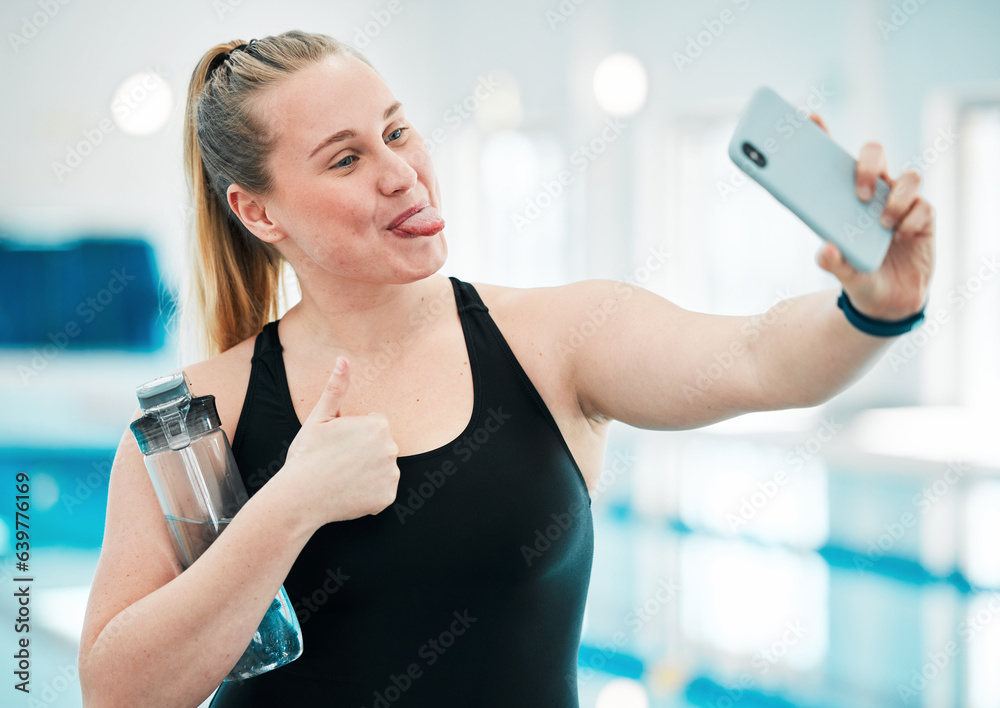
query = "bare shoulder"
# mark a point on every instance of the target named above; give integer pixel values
(224, 376)
(554, 303)
(544, 304)
(541, 325)
(523, 309)
(557, 315)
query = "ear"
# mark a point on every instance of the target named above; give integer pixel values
(252, 211)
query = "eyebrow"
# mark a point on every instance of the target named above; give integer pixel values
(345, 134)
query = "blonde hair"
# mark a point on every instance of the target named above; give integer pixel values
(234, 278)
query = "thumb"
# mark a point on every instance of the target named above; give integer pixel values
(328, 405)
(832, 261)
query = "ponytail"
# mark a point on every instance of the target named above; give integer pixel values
(235, 281)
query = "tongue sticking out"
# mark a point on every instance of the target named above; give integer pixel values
(424, 223)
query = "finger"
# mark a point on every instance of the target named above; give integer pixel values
(328, 405)
(814, 117)
(830, 259)
(871, 165)
(917, 220)
(901, 199)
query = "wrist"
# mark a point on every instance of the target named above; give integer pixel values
(284, 510)
(876, 326)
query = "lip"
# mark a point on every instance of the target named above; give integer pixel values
(407, 214)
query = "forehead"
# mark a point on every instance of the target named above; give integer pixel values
(334, 94)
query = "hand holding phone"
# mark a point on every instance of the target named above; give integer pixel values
(797, 162)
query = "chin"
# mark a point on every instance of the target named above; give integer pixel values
(428, 265)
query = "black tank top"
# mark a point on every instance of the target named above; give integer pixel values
(469, 590)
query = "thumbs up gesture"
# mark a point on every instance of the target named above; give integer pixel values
(340, 467)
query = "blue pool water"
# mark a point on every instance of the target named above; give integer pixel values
(686, 614)
(69, 490)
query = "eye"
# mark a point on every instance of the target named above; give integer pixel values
(355, 157)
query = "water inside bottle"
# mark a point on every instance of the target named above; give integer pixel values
(191, 538)
(276, 641)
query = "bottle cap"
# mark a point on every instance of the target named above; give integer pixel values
(171, 417)
(154, 434)
(163, 390)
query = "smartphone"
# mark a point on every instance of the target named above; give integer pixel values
(797, 162)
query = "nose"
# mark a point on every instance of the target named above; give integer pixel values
(396, 172)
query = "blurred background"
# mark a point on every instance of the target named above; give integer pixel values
(842, 555)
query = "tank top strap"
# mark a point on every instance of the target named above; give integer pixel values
(466, 297)
(265, 423)
(504, 378)
(267, 341)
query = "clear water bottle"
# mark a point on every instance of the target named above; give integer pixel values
(200, 490)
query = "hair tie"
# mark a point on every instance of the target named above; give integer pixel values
(245, 47)
(220, 59)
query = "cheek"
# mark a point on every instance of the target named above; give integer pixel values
(322, 232)
(421, 162)
(419, 157)
(326, 208)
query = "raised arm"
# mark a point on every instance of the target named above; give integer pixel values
(634, 356)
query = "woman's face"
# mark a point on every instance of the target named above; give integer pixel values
(333, 201)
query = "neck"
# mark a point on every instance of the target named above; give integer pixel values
(361, 319)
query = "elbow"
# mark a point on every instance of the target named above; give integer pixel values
(95, 685)
(92, 695)
(100, 697)
(102, 686)
(91, 699)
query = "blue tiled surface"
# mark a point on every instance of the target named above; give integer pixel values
(93, 293)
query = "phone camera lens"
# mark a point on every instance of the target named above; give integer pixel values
(754, 154)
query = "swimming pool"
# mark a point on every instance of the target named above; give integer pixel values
(715, 583)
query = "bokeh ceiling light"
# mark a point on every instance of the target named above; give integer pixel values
(620, 84)
(142, 104)
(622, 693)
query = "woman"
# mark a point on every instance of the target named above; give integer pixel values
(430, 515)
